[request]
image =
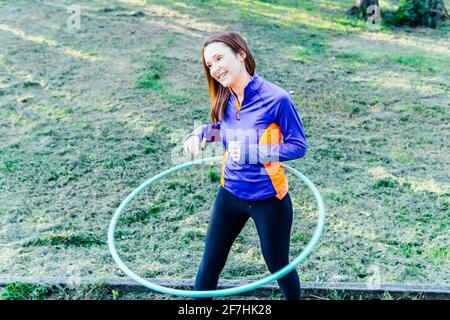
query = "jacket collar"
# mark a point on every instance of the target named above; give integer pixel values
(252, 86)
(255, 83)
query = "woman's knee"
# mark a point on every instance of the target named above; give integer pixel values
(275, 266)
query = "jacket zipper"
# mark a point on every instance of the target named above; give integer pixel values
(238, 105)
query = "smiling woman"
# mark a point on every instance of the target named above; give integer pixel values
(224, 66)
(251, 116)
(230, 63)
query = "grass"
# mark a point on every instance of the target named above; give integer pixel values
(24, 291)
(101, 291)
(153, 77)
(440, 254)
(79, 136)
(67, 239)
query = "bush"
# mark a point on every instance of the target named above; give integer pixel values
(415, 13)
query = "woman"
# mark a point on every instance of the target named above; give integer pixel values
(250, 116)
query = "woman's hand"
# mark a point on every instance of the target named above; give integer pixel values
(193, 145)
(234, 150)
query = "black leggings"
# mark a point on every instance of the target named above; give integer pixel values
(273, 220)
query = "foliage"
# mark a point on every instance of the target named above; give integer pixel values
(415, 13)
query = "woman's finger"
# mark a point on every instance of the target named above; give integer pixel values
(195, 147)
(234, 155)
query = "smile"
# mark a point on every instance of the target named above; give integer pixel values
(222, 75)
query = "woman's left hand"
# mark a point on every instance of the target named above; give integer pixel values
(234, 150)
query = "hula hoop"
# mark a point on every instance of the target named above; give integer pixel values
(222, 292)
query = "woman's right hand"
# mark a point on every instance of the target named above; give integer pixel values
(192, 145)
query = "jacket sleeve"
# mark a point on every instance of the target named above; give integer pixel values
(209, 131)
(294, 146)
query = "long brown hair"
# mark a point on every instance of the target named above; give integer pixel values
(218, 94)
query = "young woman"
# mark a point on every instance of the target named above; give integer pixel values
(251, 116)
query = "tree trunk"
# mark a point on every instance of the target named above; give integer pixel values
(440, 11)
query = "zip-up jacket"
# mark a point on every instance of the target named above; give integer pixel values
(269, 129)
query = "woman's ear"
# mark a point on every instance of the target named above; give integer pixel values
(242, 55)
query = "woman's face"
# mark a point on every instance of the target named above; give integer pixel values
(223, 64)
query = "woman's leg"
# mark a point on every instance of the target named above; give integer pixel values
(273, 220)
(227, 220)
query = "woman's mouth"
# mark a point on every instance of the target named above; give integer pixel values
(222, 75)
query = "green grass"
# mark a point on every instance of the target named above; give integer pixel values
(385, 183)
(8, 166)
(153, 78)
(214, 175)
(440, 254)
(31, 84)
(24, 291)
(53, 112)
(417, 62)
(90, 132)
(67, 239)
(101, 291)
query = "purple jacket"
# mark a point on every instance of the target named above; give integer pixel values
(266, 118)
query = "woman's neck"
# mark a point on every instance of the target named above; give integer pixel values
(241, 82)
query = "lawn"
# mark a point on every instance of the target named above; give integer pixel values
(87, 115)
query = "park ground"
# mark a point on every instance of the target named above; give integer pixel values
(88, 114)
